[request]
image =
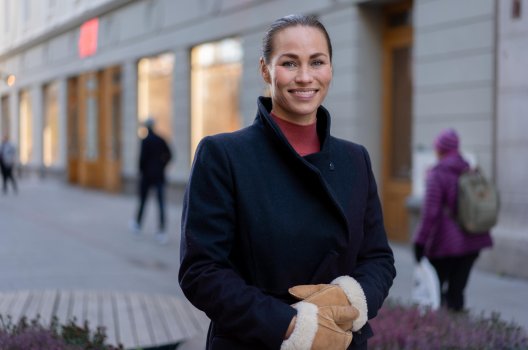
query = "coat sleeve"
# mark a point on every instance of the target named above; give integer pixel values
(207, 276)
(375, 269)
(142, 164)
(166, 154)
(432, 209)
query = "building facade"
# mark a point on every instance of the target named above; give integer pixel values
(89, 71)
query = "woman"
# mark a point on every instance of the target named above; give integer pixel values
(452, 252)
(282, 211)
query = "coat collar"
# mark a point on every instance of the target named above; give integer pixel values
(264, 117)
(265, 120)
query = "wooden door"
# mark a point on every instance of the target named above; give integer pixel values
(89, 112)
(397, 119)
(111, 129)
(94, 129)
(73, 130)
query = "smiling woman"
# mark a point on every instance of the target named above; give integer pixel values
(283, 244)
(299, 73)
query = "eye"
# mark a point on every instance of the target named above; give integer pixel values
(289, 64)
(317, 63)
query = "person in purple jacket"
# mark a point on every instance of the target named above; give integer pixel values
(450, 250)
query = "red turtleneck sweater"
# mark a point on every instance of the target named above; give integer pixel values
(303, 138)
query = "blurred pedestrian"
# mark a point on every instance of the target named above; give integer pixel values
(7, 163)
(450, 250)
(154, 157)
(283, 243)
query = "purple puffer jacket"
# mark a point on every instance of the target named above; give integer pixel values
(438, 232)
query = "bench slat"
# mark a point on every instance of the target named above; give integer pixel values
(157, 320)
(143, 326)
(134, 320)
(107, 317)
(126, 327)
(48, 305)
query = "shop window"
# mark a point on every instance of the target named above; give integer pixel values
(155, 93)
(50, 137)
(26, 127)
(216, 69)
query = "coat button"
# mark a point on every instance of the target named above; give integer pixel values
(331, 166)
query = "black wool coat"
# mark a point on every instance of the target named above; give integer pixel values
(258, 219)
(154, 156)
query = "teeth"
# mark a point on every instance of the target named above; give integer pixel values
(304, 93)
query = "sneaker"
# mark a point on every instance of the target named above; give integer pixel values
(162, 237)
(134, 227)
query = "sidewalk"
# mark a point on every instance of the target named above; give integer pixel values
(53, 235)
(56, 236)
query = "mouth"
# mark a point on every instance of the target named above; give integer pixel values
(303, 93)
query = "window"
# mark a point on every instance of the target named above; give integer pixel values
(216, 68)
(155, 93)
(50, 137)
(26, 127)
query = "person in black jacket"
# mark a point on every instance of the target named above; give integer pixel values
(154, 156)
(282, 242)
(7, 163)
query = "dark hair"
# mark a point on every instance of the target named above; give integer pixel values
(291, 21)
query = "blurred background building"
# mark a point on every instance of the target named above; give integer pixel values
(79, 76)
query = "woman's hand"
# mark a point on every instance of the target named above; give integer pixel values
(342, 291)
(316, 328)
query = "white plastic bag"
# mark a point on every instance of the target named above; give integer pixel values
(426, 287)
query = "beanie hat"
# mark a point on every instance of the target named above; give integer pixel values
(446, 141)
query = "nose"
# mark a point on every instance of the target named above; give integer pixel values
(303, 75)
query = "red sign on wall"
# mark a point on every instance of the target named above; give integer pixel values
(88, 38)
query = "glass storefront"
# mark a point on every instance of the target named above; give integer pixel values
(155, 93)
(26, 127)
(50, 137)
(216, 69)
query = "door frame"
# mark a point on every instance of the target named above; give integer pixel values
(104, 170)
(394, 191)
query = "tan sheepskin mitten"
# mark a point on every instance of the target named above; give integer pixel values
(329, 335)
(316, 328)
(325, 295)
(343, 291)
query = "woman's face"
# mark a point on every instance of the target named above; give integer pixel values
(299, 73)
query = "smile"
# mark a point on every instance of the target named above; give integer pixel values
(304, 93)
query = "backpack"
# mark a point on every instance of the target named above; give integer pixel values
(478, 202)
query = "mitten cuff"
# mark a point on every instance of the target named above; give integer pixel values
(306, 325)
(356, 297)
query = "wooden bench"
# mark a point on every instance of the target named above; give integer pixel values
(135, 320)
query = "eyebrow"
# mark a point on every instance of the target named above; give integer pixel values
(292, 55)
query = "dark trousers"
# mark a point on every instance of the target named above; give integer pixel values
(453, 273)
(7, 175)
(144, 187)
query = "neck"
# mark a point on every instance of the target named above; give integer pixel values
(303, 138)
(304, 120)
